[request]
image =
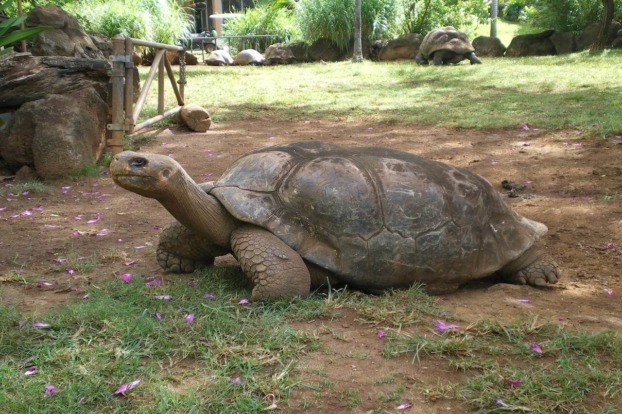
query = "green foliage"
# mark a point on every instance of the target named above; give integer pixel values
(514, 10)
(421, 16)
(567, 15)
(334, 20)
(264, 20)
(9, 29)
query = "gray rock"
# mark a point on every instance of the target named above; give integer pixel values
(538, 44)
(488, 46)
(404, 47)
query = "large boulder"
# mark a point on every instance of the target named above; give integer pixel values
(67, 38)
(488, 46)
(286, 53)
(564, 42)
(404, 47)
(173, 58)
(586, 39)
(537, 44)
(324, 50)
(57, 142)
(195, 117)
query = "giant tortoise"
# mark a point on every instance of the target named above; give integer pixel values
(444, 46)
(296, 216)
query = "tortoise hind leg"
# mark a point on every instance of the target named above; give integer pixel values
(274, 268)
(183, 251)
(532, 268)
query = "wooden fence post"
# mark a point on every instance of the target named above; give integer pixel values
(117, 78)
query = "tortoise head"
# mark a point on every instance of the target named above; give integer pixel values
(150, 175)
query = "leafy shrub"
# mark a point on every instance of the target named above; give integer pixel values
(421, 16)
(263, 20)
(567, 15)
(334, 20)
(514, 10)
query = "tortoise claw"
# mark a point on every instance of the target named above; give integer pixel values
(541, 272)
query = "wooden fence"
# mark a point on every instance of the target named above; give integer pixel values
(124, 111)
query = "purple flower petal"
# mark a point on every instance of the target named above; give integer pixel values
(442, 326)
(514, 382)
(126, 277)
(71, 271)
(524, 127)
(126, 387)
(129, 262)
(610, 292)
(158, 316)
(44, 283)
(524, 300)
(404, 406)
(536, 348)
(244, 302)
(235, 380)
(164, 297)
(40, 325)
(85, 297)
(380, 333)
(31, 370)
(49, 391)
(209, 296)
(189, 318)
(610, 245)
(500, 403)
(153, 281)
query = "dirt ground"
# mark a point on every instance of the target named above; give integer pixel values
(573, 185)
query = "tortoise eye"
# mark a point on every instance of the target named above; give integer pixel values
(138, 162)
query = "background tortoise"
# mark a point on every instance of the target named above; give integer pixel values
(374, 218)
(445, 45)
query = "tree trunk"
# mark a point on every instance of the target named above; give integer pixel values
(357, 54)
(603, 38)
(494, 11)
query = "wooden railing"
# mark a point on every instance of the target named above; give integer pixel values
(124, 111)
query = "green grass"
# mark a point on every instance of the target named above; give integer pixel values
(15, 189)
(574, 368)
(575, 91)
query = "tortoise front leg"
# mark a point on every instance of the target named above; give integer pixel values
(180, 250)
(274, 268)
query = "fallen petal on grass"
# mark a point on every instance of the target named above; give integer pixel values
(158, 316)
(535, 348)
(164, 297)
(126, 277)
(130, 262)
(442, 326)
(244, 302)
(189, 318)
(236, 380)
(123, 388)
(524, 300)
(209, 296)
(49, 391)
(500, 403)
(610, 292)
(31, 370)
(514, 382)
(40, 325)
(380, 334)
(153, 281)
(404, 406)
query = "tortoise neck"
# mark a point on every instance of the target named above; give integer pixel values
(199, 211)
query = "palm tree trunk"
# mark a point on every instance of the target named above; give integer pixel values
(357, 54)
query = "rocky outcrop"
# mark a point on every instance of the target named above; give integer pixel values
(56, 102)
(67, 38)
(402, 48)
(538, 44)
(488, 46)
(57, 142)
(324, 50)
(284, 54)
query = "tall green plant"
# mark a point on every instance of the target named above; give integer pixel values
(421, 16)
(264, 20)
(567, 15)
(334, 20)
(10, 31)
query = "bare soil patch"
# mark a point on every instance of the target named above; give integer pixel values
(573, 185)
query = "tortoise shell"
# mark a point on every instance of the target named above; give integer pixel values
(377, 217)
(445, 38)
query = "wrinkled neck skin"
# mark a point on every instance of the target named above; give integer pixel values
(199, 211)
